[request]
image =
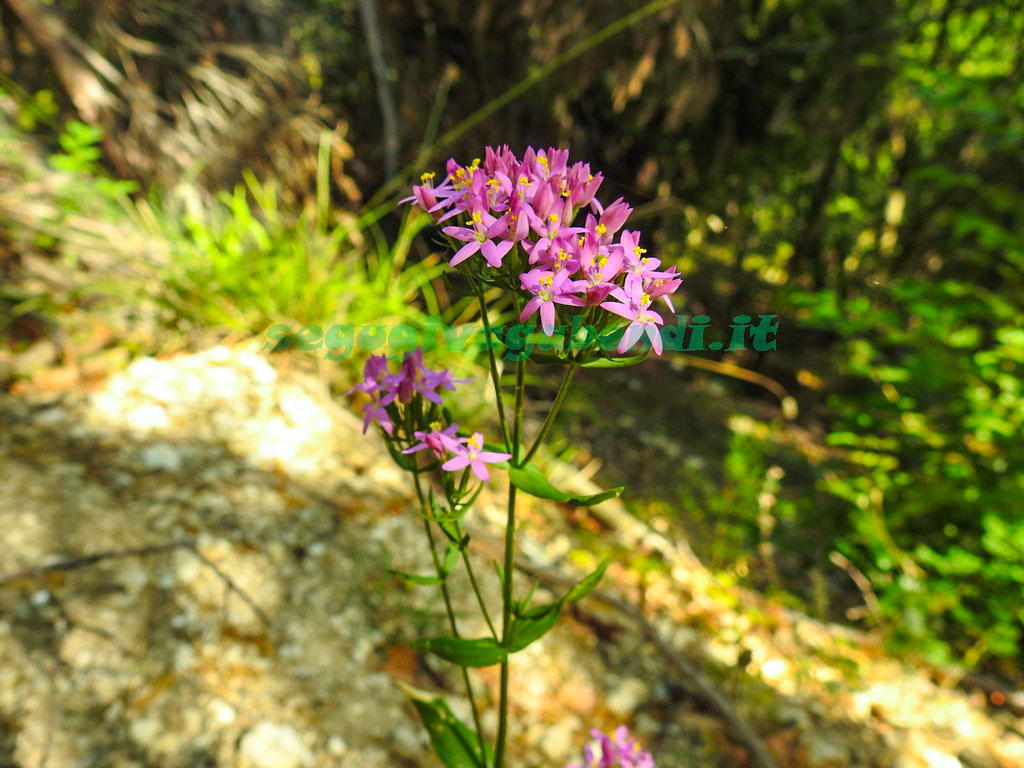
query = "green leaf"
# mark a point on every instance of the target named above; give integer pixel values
(480, 652)
(534, 623)
(615, 362)
(455, 744)
(451, 557)
(531, 480)
(548, 358)
(412, 578)
(402, 461)
(586, 585)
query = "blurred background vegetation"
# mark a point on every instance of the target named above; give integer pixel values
(174, 171)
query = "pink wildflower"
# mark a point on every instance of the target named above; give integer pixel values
(470, 455)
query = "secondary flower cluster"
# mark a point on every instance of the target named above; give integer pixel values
(578, 249)
(388, 391)
(622, 751)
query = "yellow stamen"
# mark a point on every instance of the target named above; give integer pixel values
(476, 217)
(602, 262)
(553, 218)
(638, 251)
(425, 177)
(600, 229)
(435, 426)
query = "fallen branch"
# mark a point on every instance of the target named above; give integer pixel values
(75, 563)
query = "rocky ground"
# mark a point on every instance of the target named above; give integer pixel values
(239, 612)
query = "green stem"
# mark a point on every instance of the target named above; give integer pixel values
(476, 591)
(563, 390)
(510, 529)
(494, 367)
(451, 617)
(460, 494)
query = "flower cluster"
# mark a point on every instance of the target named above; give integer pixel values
(578, 250)
(389, 392)
(622, 751)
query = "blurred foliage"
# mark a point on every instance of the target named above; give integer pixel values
(854, 168)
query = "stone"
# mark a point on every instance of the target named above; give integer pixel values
(163, 457)
(628, 696)
(559, 741)
(337, 746)
(823, 751)
(271, 745)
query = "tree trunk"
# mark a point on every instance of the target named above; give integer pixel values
(86, 91)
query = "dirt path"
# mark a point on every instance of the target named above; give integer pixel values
(261, 628)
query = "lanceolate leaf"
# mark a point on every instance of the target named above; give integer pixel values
(534, 623)
(615, 362)
(451, 557)
(586, 585)
(531, 480)
(413, 578)
(455, 744)
(526, 629)
(480, 652)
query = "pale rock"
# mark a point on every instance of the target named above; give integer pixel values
(219, 354)
(162, 457)
(148, 417)
(628, 696)
(559, 741)
(773, 669)
(408, 739)
(222, 383)
(337, 746)
(52, 416)
(222, 712)
(145, 730)
(270, 745)
(822, 752)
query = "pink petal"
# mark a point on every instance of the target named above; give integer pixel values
(495, 252)
(630, 337)
(465, 252)
(619, 309)
(460, 233)
(530, 308)
(547, 317)
(655, 336)
(480, 470)
(492, 457)
(455, 464)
